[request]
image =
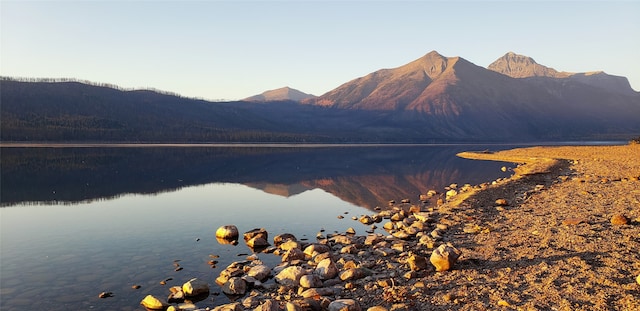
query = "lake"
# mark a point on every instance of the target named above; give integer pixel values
(78, 221)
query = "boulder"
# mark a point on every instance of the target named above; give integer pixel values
(153, 303)
(227, 232)
(177, 295)
(235, 286)
(195, 287)
(444, 257)
(290, 276)
(259, 272)
(256, 238)
(344, 305)
(289, 245)
(326, 269)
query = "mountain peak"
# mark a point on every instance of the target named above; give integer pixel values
(521, 66)
(283, 93)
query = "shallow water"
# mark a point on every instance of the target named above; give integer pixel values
(80, 221)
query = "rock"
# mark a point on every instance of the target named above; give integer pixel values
(372, 239)
(366, 219)
(105, 295)
(236, 306)
(195, 287)
(256, 238)
(227, 232)
(293, 254)
(351, 231)
(444, 257)
(341, 239)
(619, 219)
(136, 286)
(450, 194)
(290, 276)
(417, 262)
(377, 308)
(351, 274)
(153, 303)
(502, 202)
(284, 237)
(261, 232)
(344, 305)
(638, 279)
(315, 249)
(177, 295)
(315, 292)
(259, 272)
(268, 305)
(310, 281)
(235, 286)
(289, 245)
(326, 269)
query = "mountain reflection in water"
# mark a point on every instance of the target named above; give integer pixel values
(364, 176)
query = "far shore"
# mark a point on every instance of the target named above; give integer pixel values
(15, 144)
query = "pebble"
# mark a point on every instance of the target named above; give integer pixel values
(638, 279)
(105, 295)
(136, 286)
(619, 219)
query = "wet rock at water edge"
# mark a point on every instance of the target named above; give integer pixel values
(444, 257)
(282, 238)
(176, 295)
(227, 232)
(153, 303)
(619, 219)
(195, 287)
(344, 305)
(105, 295)
(256, 238)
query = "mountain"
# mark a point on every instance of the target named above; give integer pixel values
(520, 66)
(451, 97)
(284, 93)
(434, 99)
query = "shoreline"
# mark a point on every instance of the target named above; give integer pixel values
(562, 233)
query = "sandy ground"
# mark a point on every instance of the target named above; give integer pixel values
(554, 246)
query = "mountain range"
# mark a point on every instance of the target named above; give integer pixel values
(432, 99)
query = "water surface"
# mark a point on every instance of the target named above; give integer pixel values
(79, 221)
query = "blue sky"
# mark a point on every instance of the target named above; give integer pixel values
(235, 49)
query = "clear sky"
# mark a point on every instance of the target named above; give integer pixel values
(235, 49)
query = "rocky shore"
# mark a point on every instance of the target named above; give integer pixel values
(563, 233)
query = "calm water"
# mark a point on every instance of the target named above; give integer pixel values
(79, 221)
